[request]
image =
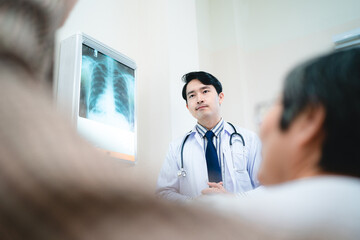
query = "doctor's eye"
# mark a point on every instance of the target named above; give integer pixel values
(206, 91)
(191, 96)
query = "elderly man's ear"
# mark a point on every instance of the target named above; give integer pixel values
(310, 125)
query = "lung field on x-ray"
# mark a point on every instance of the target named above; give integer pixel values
(107, 90)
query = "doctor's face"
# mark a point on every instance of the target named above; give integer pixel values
(203, 101)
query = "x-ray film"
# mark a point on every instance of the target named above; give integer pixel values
(107, 102)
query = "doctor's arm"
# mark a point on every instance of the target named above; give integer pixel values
(168, 180)
(253, 165)
(255, 159)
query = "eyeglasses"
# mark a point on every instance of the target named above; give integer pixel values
(261, 109)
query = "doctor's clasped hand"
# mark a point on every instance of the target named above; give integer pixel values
(214, 188)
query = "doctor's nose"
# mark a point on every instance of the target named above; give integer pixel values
(200, 100)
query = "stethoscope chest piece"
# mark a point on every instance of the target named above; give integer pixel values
(181, 173)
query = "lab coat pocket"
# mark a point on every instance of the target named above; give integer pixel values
(243, 181)
(242, 175)
(239, 161)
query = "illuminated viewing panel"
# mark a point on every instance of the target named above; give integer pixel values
(104, 96)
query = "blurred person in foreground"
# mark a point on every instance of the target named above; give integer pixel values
(311, 163)
(53, 185)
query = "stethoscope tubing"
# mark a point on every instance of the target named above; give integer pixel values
(182, 172)
(235, 133)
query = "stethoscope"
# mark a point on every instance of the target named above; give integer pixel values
(182, 172)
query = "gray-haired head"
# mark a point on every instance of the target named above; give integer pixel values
(332, 81)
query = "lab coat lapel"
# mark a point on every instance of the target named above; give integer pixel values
(198, 138)
(229, 164)
(228, 161)
(198, 162)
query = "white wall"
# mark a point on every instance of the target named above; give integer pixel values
(248, 44)
(263, 39)
(161, 37)
(218, 31)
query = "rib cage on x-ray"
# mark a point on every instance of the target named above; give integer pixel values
(121, 82)
(108, 91)
(97, 87)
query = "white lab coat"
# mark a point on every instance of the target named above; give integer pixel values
(239, 173)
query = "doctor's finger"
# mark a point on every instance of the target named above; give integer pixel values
(215, 185)
(208, 191)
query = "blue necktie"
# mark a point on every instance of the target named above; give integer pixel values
(214, 170)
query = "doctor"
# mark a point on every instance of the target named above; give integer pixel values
(209, 159)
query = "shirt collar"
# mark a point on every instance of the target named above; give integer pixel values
(216, 130)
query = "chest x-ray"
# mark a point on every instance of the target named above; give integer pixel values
(107, 90)
(97, 89)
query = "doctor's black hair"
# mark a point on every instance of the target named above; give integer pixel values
(332, 81)
(204, 77)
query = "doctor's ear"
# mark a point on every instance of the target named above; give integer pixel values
(221, 97)
(187, 106)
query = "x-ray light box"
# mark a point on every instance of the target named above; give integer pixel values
(96, 89)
